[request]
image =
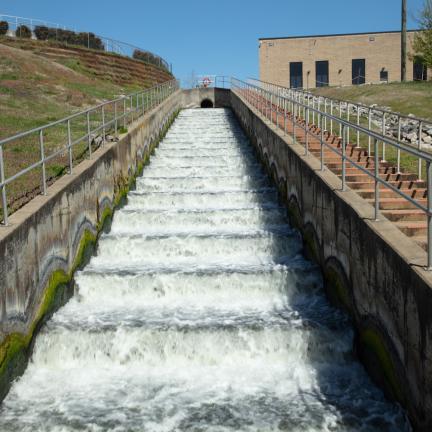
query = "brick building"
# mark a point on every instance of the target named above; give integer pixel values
(345, 59)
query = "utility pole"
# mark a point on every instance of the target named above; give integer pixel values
(403, 41)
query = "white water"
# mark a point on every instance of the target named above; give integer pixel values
(198, 313)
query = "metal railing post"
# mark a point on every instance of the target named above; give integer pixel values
(344, 130)
(398, 150)
(420, 137)
(369, 127)
(42, 155)
(322, 143)
(285, 115)
(377, 184)
(429, 216)
(70, 147)
(358, 124)
(124, 113)
(307, 133)
(115, 119)
(383, 134)
(3, 188)
(88, 134)
(103, 126)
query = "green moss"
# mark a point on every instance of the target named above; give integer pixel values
(374, 343)
(311, 245)
(294, 214)
(15, 348)
(336, 289)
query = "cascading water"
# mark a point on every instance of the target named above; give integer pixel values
(199, 313)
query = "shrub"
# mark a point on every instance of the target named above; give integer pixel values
(23, 31)
(42, 32)
(4, 27)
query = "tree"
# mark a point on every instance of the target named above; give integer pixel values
(422, 44)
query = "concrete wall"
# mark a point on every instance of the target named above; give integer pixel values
(371, 268)
(380, 50)
(47, 239)
(221, 98)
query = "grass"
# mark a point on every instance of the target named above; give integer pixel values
(406, 98)
(35, 91)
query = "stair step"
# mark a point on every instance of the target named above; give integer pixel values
(404, 215)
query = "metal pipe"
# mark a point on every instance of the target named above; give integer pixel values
(377, 185)
(70, 146)
(42, 156)
(3, 188)
(344, 130)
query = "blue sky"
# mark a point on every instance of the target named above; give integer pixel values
(214, 37)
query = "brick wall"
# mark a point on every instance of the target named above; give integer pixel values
(380, 50)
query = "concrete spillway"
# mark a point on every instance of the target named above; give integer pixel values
(199, 313)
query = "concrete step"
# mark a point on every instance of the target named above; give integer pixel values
(403, 184)
(359, 176)
(412, 229)
(388, 193)
(397, 203)
(413, 215)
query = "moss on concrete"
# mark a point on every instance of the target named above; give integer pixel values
(311, 244)
(384, 367)
(16, 347)
(336, 288)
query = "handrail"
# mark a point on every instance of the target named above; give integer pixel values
(384, 115)
(109, 44)
(274, 102)
(124, 110)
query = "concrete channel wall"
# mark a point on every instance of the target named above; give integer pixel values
(371, 269)
(51, 236)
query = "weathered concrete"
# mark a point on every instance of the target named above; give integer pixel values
(46, 239)
(371, 269)
(221, 98)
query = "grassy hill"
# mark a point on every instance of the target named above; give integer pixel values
(406, 98)
(42, 82)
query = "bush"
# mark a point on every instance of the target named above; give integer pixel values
(89, 40)
(4, 27)
(41, 32)
(23, 31)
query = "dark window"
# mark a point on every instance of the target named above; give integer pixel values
(383, 75)
(358, 71)
(322, 73)
(296, 75)
(420, 72)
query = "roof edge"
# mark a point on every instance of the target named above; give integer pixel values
(335, 34)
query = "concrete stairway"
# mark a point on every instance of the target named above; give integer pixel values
(406, 216)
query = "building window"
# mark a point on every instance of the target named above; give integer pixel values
(420, 71)
(383, 75)
(296, 75)
(358, 71)
(322, 73)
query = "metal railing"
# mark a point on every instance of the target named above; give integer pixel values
(211, 81)
(86, 130)
(109, 45)
(357, 111)
(280, 106)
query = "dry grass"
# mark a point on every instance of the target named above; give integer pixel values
(406, 98)
(35, 91)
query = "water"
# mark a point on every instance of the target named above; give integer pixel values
(198, 313)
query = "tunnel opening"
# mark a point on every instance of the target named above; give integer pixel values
(206, 103)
